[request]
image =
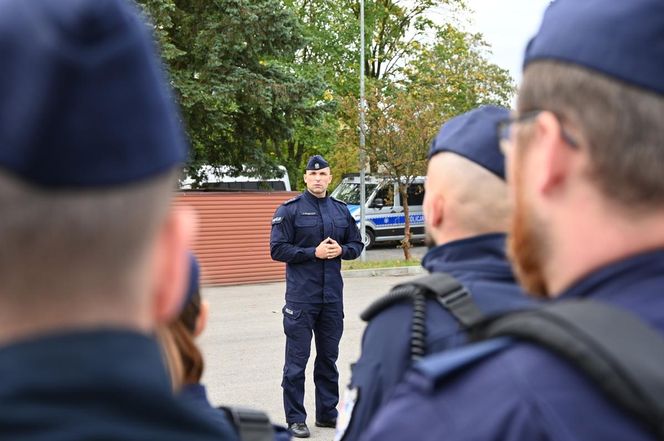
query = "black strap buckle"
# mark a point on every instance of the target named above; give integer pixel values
(461, 305)
(251, 425)
(450, 299)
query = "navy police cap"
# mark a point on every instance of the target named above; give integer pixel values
(84, 99)
(621, 39)
(473, 135)
(317, 162)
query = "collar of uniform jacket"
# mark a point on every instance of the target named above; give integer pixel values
(313, 198)
(642, 273)
(486, 251)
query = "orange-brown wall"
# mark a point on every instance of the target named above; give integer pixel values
(233, 242)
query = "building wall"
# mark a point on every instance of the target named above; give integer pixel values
(233, 241)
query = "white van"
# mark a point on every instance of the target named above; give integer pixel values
(384, 211)
(217, 179)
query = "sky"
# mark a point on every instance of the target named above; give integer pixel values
(507, 26)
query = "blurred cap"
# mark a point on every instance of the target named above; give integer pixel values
(474, 136)
(621, 39)
(84, 99)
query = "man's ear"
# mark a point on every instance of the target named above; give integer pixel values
(555, 155)
(171, 271)
(201, 320)
(434, 210)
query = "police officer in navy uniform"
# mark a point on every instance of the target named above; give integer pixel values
(93, 256)
(312, 233)
(466, 211)
(586, 165)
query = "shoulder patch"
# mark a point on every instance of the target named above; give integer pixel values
(277, 220)
(291, 200)
(338, 200)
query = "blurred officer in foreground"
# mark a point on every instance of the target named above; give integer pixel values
(312, 233)
(185, 364)
(466, 213)
(585, 157)
(93, 255)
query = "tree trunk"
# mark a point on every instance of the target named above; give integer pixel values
(405, 242)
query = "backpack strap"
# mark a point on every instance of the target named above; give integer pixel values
(452, 296)
(449, 293)
(250, 424)
(617, 350)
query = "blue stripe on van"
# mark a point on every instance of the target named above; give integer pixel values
(394, 219)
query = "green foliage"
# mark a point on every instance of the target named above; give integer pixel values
(449, 76)
(454, 74)
(232, 64)
(266, 82)
(377, 264)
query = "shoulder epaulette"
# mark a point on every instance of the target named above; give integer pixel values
(338, 200)
(291, 200)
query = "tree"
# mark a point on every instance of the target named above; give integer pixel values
(400, 131)
(402, 127)
(451, 76)
(232, 65)
(454, 74)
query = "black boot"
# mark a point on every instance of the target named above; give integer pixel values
(328, 423)
(299, 430)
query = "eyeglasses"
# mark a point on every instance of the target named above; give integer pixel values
(504, 128)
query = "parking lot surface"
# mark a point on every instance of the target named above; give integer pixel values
(243, 344)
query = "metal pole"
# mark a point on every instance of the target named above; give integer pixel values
(363, 223)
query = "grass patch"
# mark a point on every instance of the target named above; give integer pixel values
(358, 264)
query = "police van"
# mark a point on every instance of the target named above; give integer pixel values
(218, 178)
(385, 220)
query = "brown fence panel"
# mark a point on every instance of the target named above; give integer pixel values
(233, 242)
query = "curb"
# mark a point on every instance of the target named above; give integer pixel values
(396, 271)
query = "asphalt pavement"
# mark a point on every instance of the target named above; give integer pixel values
(244, 342)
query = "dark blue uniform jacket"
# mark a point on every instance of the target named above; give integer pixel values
(196, 396)
(525, 392)
(298, 226)
(479, 263)
(100, 385)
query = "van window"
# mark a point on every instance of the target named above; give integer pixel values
(415, 194)
(244, 186)
(386, 193)
(216, 178)
(350, 192)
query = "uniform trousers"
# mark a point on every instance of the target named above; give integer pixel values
(325, 322)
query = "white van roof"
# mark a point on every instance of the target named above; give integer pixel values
(219, 174)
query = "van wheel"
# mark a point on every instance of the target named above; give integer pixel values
(369, 239)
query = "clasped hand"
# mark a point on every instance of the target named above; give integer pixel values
(328, 249)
